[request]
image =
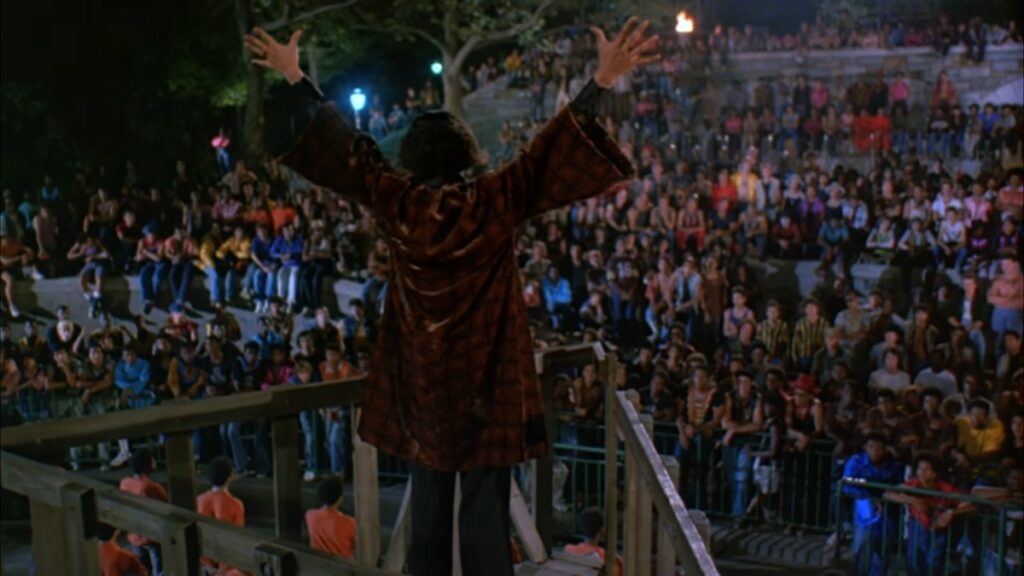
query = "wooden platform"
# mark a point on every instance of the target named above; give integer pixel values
(561, 564)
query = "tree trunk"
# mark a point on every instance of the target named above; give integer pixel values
(452, 90)
(252, 136)
(254, 121)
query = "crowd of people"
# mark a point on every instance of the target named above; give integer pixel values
(668, 270)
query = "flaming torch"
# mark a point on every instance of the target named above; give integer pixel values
(684, 24)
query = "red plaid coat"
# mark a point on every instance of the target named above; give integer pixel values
(453, 384)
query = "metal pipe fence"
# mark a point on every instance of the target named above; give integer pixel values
(887, 538)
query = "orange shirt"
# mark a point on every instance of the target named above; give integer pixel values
(223, 506)
(117, 562)
(282, 215)
(344, 370)
(331, 531)
(143, 486)
(584, 549)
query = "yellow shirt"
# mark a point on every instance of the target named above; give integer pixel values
(975, 442)
(240, 248)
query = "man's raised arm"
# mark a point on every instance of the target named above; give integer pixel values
(572, 157)
(329, 153)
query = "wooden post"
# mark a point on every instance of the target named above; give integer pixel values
(666, 552)
(644, 513)
(181, 470)
(523, 522)
(180, 548)
(542, 491)
(631, 513)
(611, 472)
(273, 559)
(367, 495)
(80, 529)
(287, 490)
(48, 526)
(401, 535)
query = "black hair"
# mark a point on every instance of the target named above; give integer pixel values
(979, 403)
(142, 461)
(591, 522)
(930, 457)
(330, 490)
(438, 147)
(932, 391)
(885, 393)
(876, 437)
(220, 471)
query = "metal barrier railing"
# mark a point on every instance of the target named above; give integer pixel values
(887, 539)
(713, 479)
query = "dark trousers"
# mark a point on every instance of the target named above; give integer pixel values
(483, 522)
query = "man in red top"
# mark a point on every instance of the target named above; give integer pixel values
(329, 530)
(453, 388)
(218, 502)
(140, 484)
(115, 561)
(592, 525)
(931, 516)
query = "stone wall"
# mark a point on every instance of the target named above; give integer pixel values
(974, 82)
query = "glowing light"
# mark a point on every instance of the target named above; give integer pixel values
(357, 100)
(684, 24)
(436, 68)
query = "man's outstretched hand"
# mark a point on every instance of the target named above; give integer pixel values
(283, 58)
(621, 54)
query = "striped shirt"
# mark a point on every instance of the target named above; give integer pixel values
(775, 337)
(807, 338)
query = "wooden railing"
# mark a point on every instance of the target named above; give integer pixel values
(65, 506)
(649, 481)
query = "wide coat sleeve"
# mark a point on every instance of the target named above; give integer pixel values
(567, 161)
(331, 154)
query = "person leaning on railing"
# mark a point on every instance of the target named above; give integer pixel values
(931, 515)
(872, 524)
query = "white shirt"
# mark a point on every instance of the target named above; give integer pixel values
(881, 379)
(944, 381)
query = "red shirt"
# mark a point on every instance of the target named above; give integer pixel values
(281, 216)
(936, 506)
(331, 531)
(143, 486)
(727, 192)
(584, 549)
(117, 562)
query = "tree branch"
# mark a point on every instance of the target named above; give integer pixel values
(394, 26)
(488, 38)
(284, 20)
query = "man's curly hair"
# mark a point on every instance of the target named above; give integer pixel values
(438, 147)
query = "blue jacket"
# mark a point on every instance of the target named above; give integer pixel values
(559, 293)
(293, 250)
(134, 376)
